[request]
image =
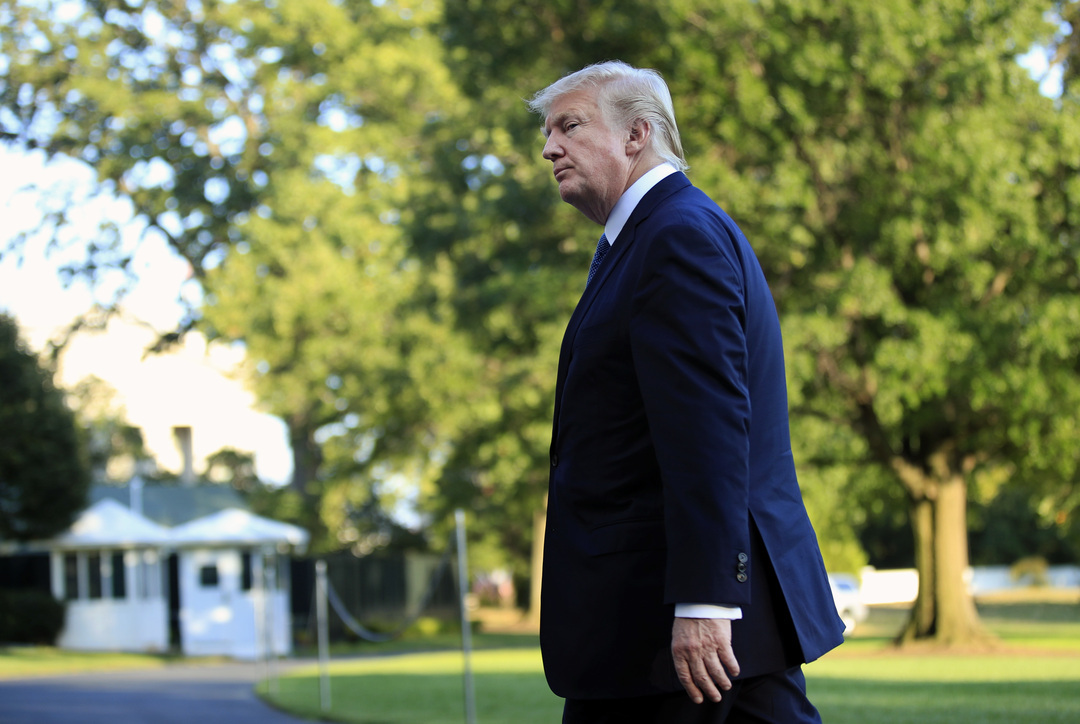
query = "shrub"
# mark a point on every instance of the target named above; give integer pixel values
(29, 616)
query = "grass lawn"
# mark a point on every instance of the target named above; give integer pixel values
(985, 689)
(21, 661)
(426, 689)
(1037, 679)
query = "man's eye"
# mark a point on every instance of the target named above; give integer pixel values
(571, 126)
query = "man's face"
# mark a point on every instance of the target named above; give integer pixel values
(590, 158)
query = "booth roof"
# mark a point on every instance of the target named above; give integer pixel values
(237, 527)
(111, 524)
(107, 524)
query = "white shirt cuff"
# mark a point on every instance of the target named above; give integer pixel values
(707, 610)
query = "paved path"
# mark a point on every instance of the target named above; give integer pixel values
(179, 694)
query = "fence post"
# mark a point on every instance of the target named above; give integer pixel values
(324, 646)
(269, 589)
(466, 630)
(259, 609)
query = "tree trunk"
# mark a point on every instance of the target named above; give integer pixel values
(922, 525)
(306, 454)
(944, 613)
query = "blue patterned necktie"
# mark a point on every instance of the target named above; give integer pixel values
(602, 248)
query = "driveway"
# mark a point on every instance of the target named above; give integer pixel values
(212, 694)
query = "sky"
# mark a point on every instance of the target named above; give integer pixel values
(30, 286)
(1037, 62)
(195, 386)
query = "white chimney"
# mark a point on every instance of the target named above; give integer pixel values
(135, 488)
(182, 434)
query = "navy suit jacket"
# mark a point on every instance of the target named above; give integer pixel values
(672, 478)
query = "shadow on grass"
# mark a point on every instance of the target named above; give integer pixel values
(855, 701)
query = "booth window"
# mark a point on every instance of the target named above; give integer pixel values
(208, 576)
(119, 576)
(247, 574)
(93, 577)
(71, 577)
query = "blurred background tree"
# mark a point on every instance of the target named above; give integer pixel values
(359, 190)
(114, 447)
(912, 198)
(272, 146)
(234, 467)
(44, 475)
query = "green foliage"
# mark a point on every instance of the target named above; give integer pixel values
(1067, 45)
(910, 194)
(943, 268)
(28, 616)
(1009, 528)
(273, 146)
(234, 467)
(360, 192)
(114, 447)
(43, 474)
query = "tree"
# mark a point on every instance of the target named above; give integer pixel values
(351, 340)
(943, 281)
(1066, 45)
(114, 447)
(927, 270)
(43, 474)
(517, 255)
(912, 199)
(233, 467)
(369, 214)
(272, 146)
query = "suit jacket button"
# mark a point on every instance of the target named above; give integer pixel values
(741, 577)
(741, 568)
(743, 558)
(554, 460)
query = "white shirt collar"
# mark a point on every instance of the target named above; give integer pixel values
(629, 200)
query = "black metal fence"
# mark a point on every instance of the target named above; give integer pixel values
(381, 591)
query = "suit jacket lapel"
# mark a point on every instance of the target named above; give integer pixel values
(645, 207)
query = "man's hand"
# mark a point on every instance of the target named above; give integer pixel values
(703, 657)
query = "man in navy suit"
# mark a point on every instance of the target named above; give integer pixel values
(682, 579)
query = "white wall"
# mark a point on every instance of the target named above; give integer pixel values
(104, 625)
(137, 622)
(223, 619)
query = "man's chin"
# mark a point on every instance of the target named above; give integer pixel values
(568, 193)
(582, 202)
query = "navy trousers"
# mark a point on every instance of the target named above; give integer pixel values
(770, 699)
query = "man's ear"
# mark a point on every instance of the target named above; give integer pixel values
(638, 137)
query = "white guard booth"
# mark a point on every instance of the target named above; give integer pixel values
(234, 584)
(107, 568)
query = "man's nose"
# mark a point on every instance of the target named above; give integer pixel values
(552, 149)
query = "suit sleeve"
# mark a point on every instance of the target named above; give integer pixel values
(688, 342)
